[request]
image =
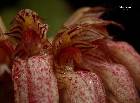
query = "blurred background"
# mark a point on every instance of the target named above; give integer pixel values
(56, 12)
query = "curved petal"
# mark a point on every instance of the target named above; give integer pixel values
(95, 86)
(125, 54)
(34, 80)
(73, 89)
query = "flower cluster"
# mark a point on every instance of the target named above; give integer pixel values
(83, 64)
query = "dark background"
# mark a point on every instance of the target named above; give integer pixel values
(129, 18)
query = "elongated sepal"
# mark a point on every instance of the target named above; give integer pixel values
(125, 54)
(34, 80)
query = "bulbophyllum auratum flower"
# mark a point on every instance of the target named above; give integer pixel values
(84, 43)
(75, 84)
(32, 69)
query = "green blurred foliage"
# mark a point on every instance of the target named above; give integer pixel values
(54, 12)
